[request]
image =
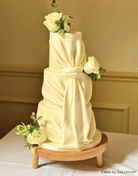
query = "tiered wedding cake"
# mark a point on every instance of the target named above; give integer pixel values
(68, 119)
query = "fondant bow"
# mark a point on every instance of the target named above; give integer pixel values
(72, 72)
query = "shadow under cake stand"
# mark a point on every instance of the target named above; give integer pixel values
(96, 151)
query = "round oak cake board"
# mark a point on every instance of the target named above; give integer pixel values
(70, 155)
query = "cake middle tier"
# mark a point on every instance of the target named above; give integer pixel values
(54, 85)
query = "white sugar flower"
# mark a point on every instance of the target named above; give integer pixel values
(50, 21)
(37, 137)
(92, 66)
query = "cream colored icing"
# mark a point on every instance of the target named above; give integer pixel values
(68, 118)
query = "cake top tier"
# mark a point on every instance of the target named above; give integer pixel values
(66, 50)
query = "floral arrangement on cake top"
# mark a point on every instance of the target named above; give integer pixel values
(93, 69)
(55, 22)
(32, 133)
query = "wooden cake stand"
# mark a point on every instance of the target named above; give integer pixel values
(70, 155)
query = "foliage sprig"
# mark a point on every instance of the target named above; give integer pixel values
(96, 76)
(63, 25)
(53, 4)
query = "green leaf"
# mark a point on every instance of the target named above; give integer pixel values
(69, 24)
(65, 19)
(60, 31)
(70, 17)
(23, 125)
(37, 127)
(28, 126)
(22, 132)
(91, 74)
(66, 27)
(34, 145)
(102, 70)
(20, 127)
(95, 77)
(32, 129)
(52, 5)
(33, 113)
(18, 132)
(35, 122)
(39, 117)
(98, 76)
(53, 1)
(32, 117)
(58, 23)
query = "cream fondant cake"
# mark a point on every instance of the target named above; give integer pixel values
(68, 118)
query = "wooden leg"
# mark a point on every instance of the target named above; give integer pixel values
(35, 161)
(99, 161)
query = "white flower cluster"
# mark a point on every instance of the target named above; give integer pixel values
(92, 66)
(37, 137)
(50, 21)
(32, 133)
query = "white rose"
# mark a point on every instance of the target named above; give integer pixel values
(92, 66)
(37, 137)
(50, 21)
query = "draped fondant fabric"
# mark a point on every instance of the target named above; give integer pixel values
(67, 115)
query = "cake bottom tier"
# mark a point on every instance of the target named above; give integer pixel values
(83, 135)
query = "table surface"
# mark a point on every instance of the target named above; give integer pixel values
(120, 158)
